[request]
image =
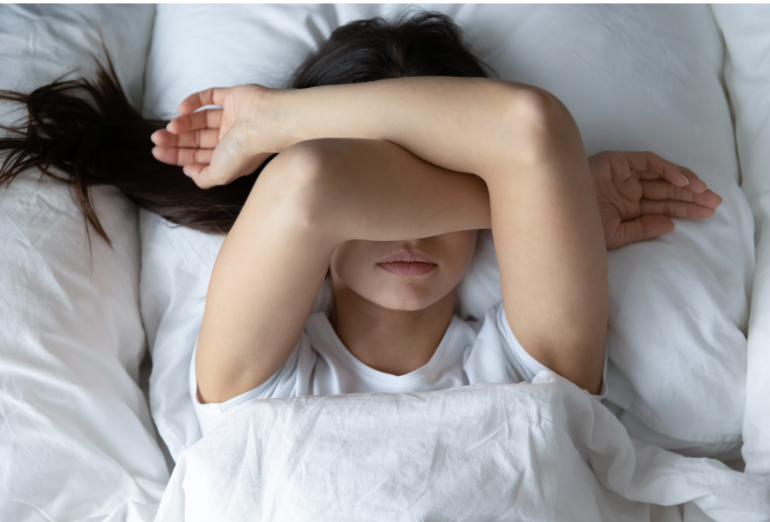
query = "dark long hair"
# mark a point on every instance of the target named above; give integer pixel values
(107, 142)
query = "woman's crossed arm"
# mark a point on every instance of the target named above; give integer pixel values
(521, 141)
(313, 196)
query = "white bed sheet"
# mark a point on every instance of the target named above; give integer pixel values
(746, 29)
(545, 451)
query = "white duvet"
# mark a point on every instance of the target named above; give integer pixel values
(544, 451)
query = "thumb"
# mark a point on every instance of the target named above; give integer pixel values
(204, 176)
(642, 229)
(200, 174)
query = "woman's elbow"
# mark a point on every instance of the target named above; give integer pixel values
(293, 185)
(540, 124)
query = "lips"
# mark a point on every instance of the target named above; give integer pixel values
(408, 263)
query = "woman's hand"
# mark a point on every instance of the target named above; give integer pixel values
(217, 146)
(639, 192)
(410, 112)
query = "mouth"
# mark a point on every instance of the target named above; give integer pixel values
(410, 263)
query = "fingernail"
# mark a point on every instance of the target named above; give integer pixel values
(167, 126)
(686, 181)
(184, 169)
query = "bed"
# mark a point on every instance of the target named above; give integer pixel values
(96, 422)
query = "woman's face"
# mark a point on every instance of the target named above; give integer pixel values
(404, 275)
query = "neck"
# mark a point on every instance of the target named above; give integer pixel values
(391, 341)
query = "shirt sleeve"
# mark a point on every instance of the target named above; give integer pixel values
(522, 361)
(282, 384)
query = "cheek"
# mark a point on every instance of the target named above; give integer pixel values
(352, 262)
(353, 268)
(463, 246)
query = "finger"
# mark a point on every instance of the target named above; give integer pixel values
(676, 209)
(212, 96)
(654, 166)
(661, 189)
(208, 119)
(164, 138)
(193, 170)
(182, 156)
(641, 229)
(202, 175)
(697, 185)
(660, 167)
(198, 139)
(668, 170)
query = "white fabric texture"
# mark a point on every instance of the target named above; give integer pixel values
(531, 452)
(470, 352)
(76, 437)
(746, 31)
(634, 77)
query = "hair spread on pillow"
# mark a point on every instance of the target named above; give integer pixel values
(91, 135)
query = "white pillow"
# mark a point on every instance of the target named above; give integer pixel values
(746, 30)
(76, 437)
(634, 77)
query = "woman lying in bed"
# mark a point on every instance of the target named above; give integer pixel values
(377, 177)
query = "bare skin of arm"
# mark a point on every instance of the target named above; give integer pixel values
(526, 147)
(313, 196)
(520, 140)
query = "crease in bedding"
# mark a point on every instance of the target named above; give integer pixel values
(544, 451)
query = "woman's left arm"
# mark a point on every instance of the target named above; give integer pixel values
(550, 247)
(553, 218)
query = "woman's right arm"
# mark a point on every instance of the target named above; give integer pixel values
(310, 198)
(264, 281)
(460, 124)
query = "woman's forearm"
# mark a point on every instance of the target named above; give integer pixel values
(460, 124)
(375, 190)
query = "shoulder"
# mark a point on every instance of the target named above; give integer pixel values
(496, 335)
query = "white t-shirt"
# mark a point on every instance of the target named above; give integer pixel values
(470, 352)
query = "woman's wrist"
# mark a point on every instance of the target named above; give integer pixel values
(277, 118)
(256, 124)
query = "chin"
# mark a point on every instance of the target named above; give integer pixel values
(407, 301)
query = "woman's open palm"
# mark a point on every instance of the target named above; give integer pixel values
(216, 146)
(639, 192)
